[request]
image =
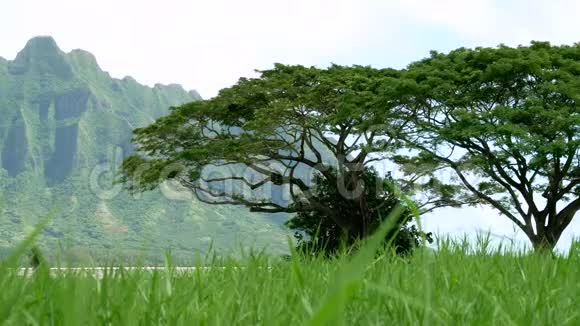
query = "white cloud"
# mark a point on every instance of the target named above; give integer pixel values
(488, 22)
(203, 44)
(209, 44)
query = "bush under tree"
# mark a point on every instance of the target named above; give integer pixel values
(319, 234)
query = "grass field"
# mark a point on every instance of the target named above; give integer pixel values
(452, 286)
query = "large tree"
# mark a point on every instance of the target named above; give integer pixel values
(506, 122)
(262, 142)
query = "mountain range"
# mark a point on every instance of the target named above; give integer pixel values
(65, 126)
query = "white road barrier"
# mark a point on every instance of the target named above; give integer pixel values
(99, 272)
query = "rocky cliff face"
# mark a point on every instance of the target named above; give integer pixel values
(62, 117)
(58, 104)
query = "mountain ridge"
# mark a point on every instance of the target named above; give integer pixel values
(66, 126)
(41, 47)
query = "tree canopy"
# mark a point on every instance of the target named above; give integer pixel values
(506, 122)
(262, 142)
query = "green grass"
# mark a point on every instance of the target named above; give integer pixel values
(452, 286)
(457, 284)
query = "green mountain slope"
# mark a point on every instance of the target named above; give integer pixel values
(65, 126)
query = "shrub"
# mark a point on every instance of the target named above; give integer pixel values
(319, 232)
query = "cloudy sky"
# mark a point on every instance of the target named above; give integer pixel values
(208, 45)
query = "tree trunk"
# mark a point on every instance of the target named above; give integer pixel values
(545, 237)
(544, 243)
